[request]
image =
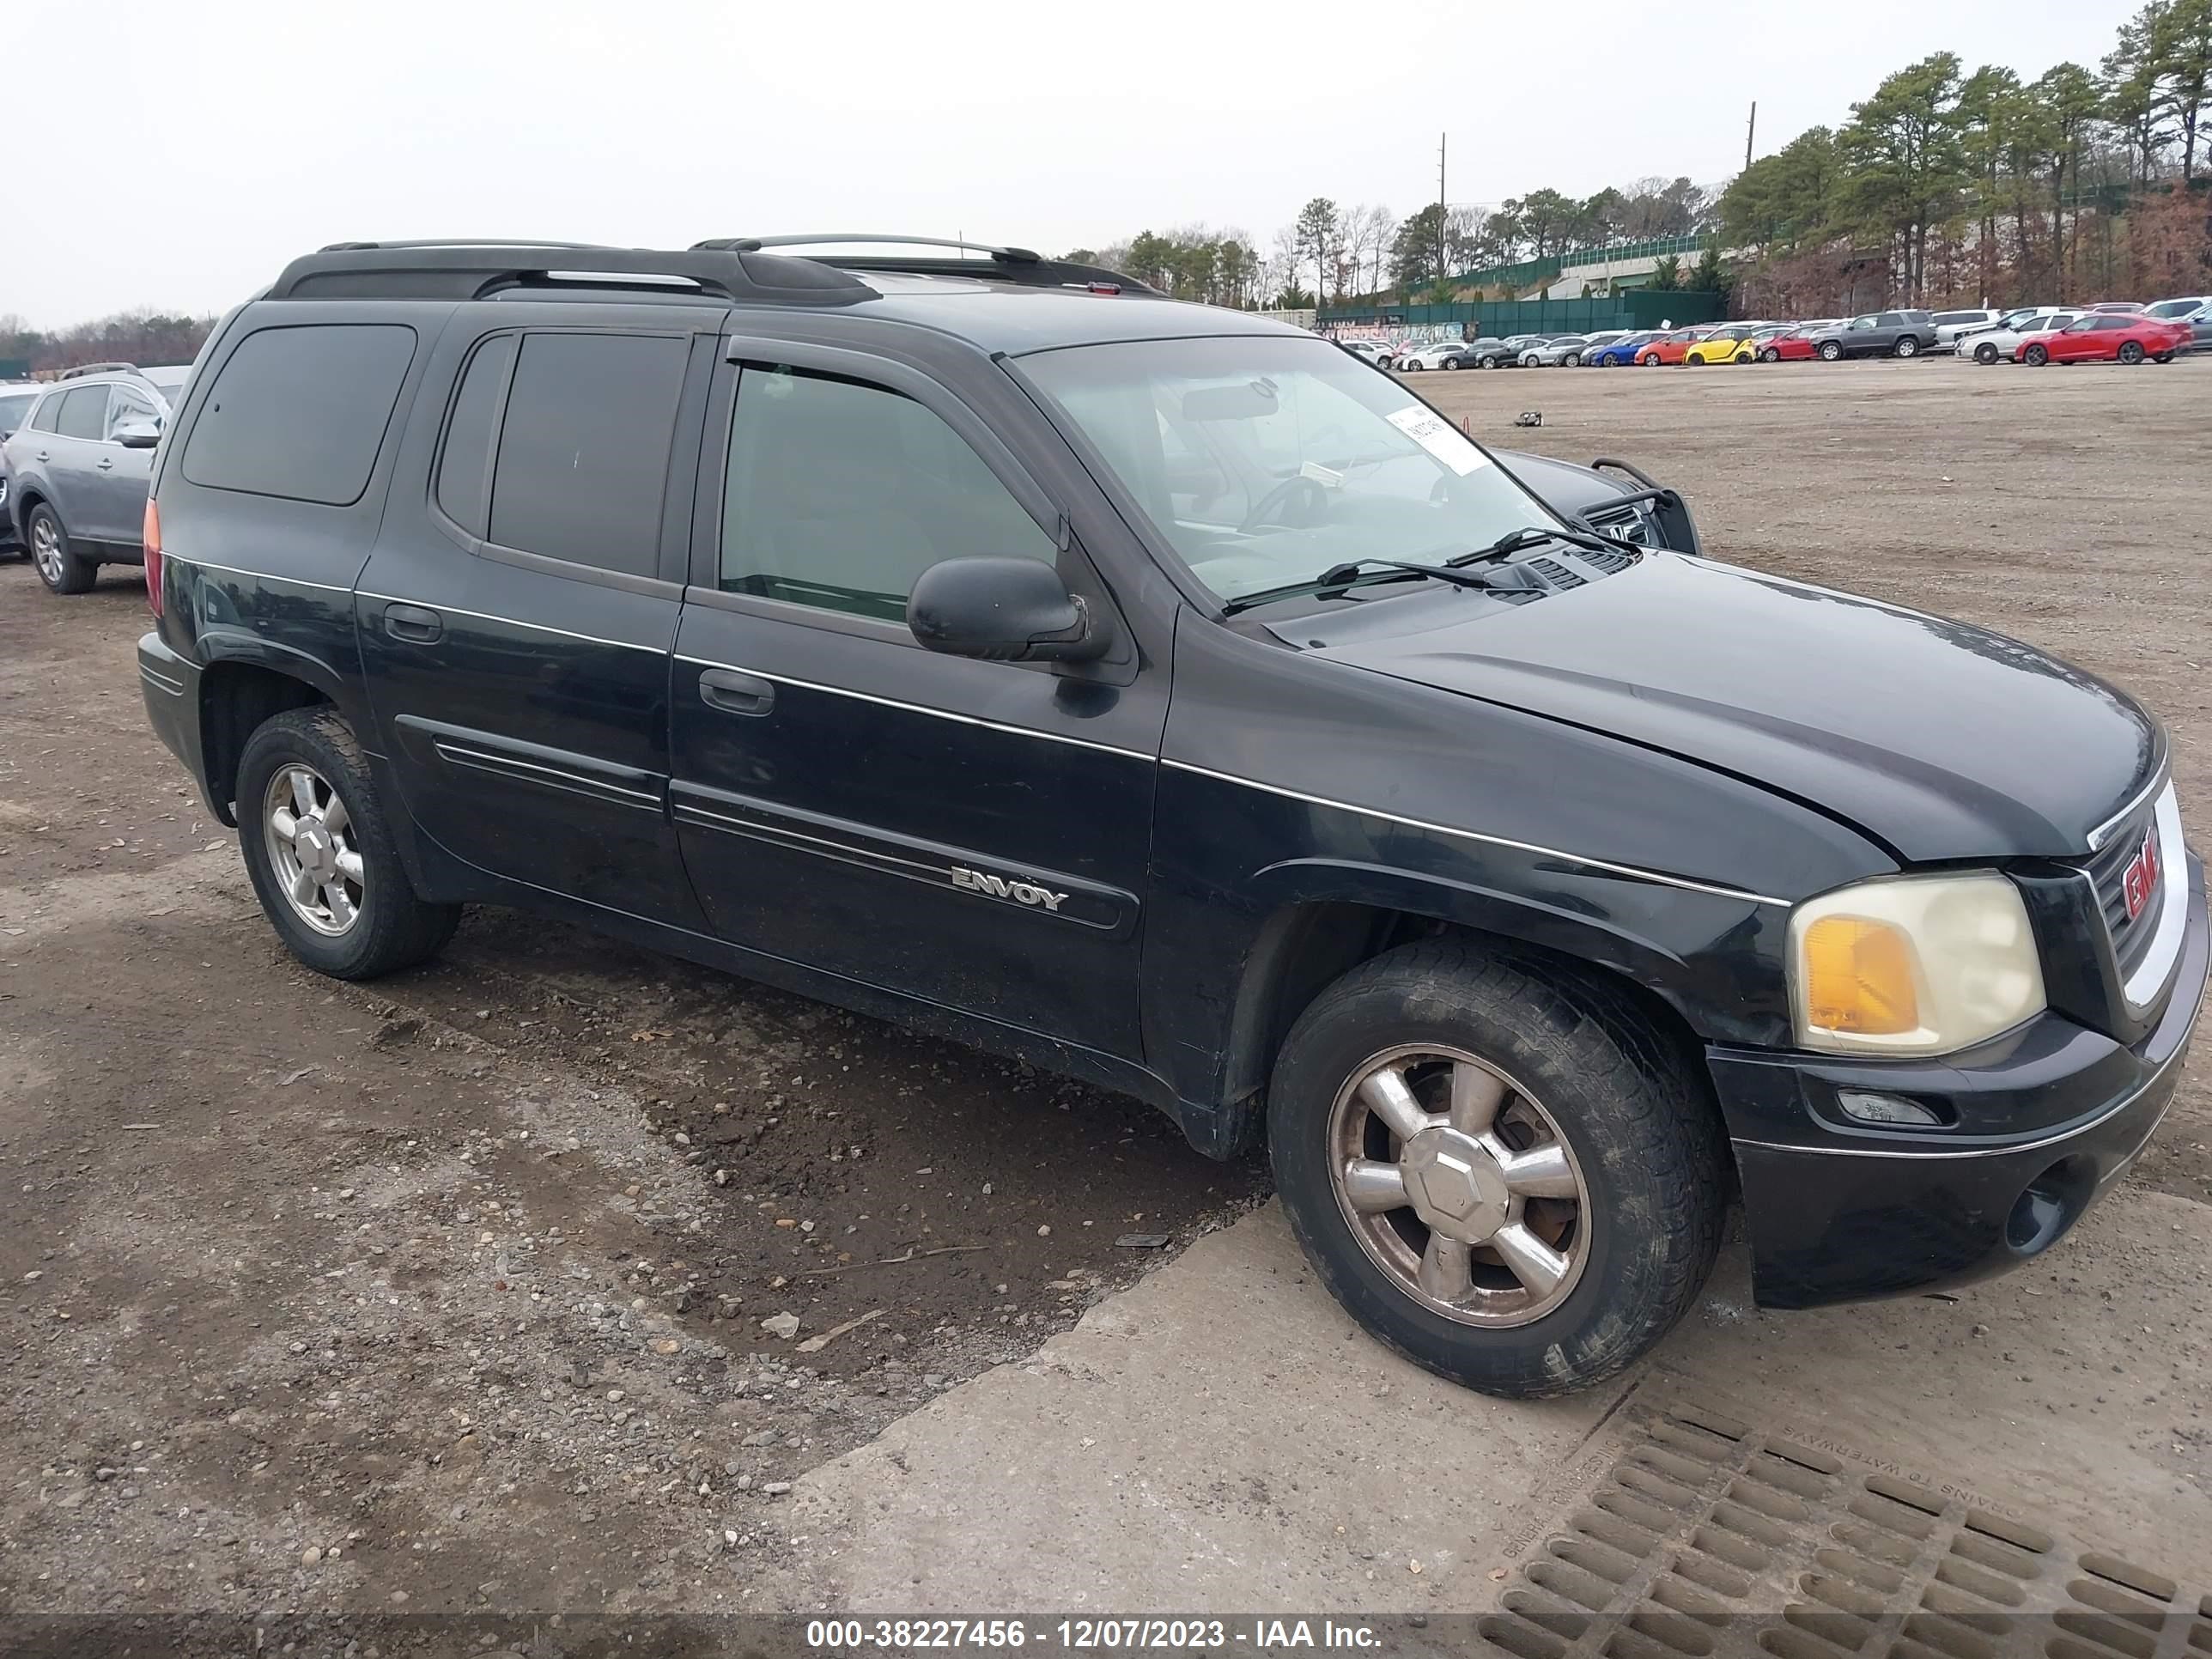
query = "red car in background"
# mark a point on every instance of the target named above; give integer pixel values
(1793, 345)
(1669, 348)
(2107, 337)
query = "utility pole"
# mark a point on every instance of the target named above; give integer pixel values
(1444, 236)
(1750, 131)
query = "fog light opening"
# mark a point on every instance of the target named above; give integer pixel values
(2053, 1201)
(1894, 1111)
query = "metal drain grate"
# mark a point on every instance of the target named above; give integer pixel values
(1709, 1537)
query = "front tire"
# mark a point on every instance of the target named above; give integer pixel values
(2131, 353)
(2035, 356)
(321, 854)
(1573, 360)
(1770, 355)
(59, 567)
(1985, 354)
(1505, 1173)
(1831, 351)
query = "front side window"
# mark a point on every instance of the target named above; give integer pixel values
(130, 407)
(84, 413)
(839, 494)
(582, 466)
(1311, 464)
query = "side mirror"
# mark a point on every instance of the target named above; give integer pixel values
(139, 434)
(1002, 610)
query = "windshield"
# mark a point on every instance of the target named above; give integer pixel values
(1265, 461)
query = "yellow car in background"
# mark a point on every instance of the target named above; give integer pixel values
(1721, 345)
(1748, 348)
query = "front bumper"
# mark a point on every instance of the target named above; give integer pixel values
(1837, 1211)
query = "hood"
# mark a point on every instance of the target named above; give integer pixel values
(1940, 740)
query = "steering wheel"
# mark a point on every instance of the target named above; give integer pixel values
(1308, 492)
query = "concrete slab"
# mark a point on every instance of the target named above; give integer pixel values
(1221, 1439)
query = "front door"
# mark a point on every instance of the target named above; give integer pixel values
(974, 835)
(121, 476)
(516, 616)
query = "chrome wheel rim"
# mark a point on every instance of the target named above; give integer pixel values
(1459, 1186)
(311, 848)
(46, 549)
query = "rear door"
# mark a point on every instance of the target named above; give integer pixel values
(974, 835)
(69, 457)
(516, 616)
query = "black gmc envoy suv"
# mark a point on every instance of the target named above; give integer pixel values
(1160, 695)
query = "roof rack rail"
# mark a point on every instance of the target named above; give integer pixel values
(83, 369)
(458, 241)
(1000, 265)
(478, 270)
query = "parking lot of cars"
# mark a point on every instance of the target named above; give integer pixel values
(2123, 332)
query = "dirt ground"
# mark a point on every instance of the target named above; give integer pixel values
(444, 1294)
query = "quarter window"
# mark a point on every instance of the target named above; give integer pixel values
(48, 415)
(583, 465)
(301, 413)
(84, 413)
(464, 467)
(840, 494)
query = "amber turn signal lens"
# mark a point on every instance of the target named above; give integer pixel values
(1858, 977)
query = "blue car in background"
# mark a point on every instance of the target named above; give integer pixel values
(1618, 354)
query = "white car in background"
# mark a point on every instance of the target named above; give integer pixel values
(2002, 345)
(1375, 351)
(2196, 312)
(1436, 354)
(1951, 324)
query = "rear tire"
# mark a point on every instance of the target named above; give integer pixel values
(1596, 1277)
(2131, 353)
(373, 923)
(61, 569)
(1906, 347)
(1573, 360)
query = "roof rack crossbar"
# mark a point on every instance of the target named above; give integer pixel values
(1003, 264)
(477, 269)
(747, 244)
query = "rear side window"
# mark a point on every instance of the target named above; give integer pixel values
(300, 413)
(465, 468)
(582, 463)
(84, 413)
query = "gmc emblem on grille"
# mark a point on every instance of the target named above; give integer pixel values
(2142, 879)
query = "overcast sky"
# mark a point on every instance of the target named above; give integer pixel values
(175, 153)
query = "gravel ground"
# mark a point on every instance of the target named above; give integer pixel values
(446, 1295)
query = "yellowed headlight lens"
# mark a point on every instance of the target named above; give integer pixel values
(1858, 977)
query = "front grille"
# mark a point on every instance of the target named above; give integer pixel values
(2132, 936)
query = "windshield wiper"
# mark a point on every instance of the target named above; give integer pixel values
(1348, 574)
(1532, 535)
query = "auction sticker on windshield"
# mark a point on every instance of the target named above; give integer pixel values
(1440, 438)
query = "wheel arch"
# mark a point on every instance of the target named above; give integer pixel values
(239, 692)
(1328, 919)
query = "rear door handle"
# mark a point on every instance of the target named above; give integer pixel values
(734, 693)
(105, 465)
(414, 623)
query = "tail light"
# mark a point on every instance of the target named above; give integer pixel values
(153, 541)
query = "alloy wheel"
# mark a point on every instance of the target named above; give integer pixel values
(46, 549)
(1458, 1184)
(311, 849)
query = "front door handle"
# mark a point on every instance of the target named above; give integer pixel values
(415, 623)
(105, 465)
(734, 693)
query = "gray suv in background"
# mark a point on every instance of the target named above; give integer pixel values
(78, 467)
(1878, 334)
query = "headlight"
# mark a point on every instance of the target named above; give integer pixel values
(1912, 965)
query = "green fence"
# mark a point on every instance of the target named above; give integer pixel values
(1638, 308)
